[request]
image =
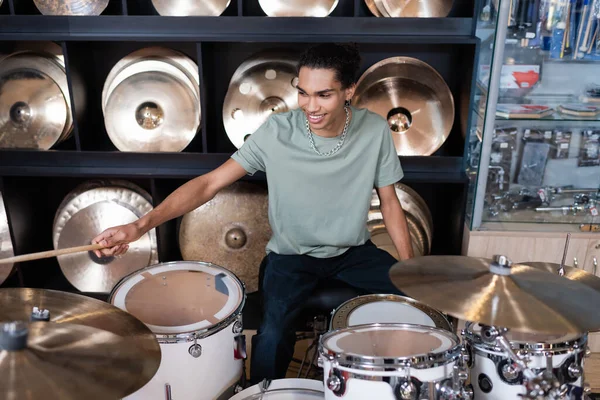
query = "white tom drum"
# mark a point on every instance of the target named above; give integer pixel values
(194, 309)
(389, 361)
(494, 377)
(284, 389)
(386, 308)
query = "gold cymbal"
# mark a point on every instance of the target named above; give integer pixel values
(71, 7)
(6, 246)
(298, 8)
(67, 361)
(153, 111)
(191, 7)
(413, 98)
(85, 215)
(518, 297)
(418, 8)
(377, 8)
(263, 85)
(71, 308)
(571, 273)
(231, 230)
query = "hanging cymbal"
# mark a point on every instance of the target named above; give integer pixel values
(152, 111)
(6, 246)
(67, 361)
(126, 67)
(413, 98)
(496, 293)
(71, 308)
(263, 85)
(571, 273)
(231, 230)
(182, 8)
(298, 8)
(71, 7)
(417, 8)
(376, 7)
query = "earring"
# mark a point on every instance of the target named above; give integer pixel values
(347, 103)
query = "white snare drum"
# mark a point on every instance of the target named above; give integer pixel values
(493, 375)
(382, 361)
(194, 309)
(284, 389)
(386, 308)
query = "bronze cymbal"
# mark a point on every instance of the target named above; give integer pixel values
(82, 217)
(413, 98)
(152, 111)
(417, 8)
(231, 230)
(6, 245)
(182, 8)
(376, 7)
(71, 7)
(263, 85)
(572, 273)
(298, 8)
(33, 110)
(68, 361)
(516, 297)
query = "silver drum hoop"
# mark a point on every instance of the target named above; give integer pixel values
(550, 348)
(184, 337)
(384, 364)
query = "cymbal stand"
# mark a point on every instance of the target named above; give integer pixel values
(543, 386)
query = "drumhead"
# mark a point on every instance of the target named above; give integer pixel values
(386, 308)
(380, 343)
(180, 297)
(285, 389)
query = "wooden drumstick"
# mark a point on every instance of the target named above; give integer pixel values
(51, 253)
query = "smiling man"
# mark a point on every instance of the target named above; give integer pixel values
(322, 162)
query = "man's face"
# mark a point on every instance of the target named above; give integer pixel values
(321, 97)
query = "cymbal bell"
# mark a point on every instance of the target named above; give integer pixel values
(153, 111)
(68, 361)
(231, 230)
(413, 98)
(6, 246)
(496, 293)
(417, 8)
(571, 273)
(190, 7)
(263, 85)
(71, 7)
(298, 8)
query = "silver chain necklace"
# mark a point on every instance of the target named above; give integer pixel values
(337, 146)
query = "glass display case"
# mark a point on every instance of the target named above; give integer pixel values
(533, 155)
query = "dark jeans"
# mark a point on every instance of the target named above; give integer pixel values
(289, 281)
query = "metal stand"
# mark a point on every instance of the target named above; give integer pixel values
(319, 327)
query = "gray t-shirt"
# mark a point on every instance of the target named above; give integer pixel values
(318, 205)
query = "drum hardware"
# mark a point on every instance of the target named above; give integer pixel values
(298, 8)
(195, 350)
(414, 99)
(82, 362)
(507, 294)
(168, 395)
(38, 314)
(71, 7)
(319, 328)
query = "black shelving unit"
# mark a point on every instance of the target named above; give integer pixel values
(34, 182)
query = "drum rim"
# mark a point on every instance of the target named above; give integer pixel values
(363, 299)
(419, 361)
(187, 336)
(555, 348)
(311, 387)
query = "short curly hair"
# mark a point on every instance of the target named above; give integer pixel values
(345, 59)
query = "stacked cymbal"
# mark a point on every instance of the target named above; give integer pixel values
(418, 217)
(410, 8)
(264, 84)
(71, 7)
(151, 101)
(413, 98)
(183, 8)
(85, 213)
(35, 105)
(6, 245)
(231, 230)
(298, 8)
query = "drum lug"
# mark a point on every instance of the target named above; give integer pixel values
(195, 350)
(406, 390)
(238, 327)
(336, 383)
